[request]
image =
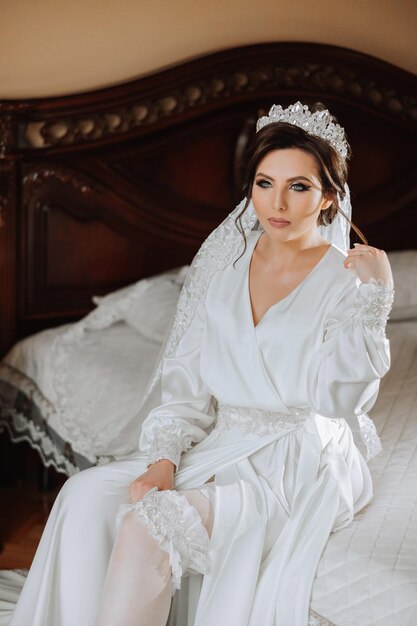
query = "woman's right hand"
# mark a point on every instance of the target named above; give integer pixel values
(369, 262)
(159, 475)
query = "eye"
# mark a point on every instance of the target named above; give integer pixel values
(300, 187)
(263, 183)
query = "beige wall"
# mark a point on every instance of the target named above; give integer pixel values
(53, 47)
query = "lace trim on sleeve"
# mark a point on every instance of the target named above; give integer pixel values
(169, 442)
(373, 304)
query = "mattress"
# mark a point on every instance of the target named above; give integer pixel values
(367, 575)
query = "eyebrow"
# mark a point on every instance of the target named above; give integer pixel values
(289, 180)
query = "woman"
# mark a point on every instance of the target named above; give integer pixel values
(247, 461)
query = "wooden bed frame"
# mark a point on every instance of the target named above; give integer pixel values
(103, 188)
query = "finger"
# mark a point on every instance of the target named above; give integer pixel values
(359, 246)
(141, 493)
(135, 493)
(353, 263)
(359, 252)
(354, 260)
(362, 249)
(133, 496)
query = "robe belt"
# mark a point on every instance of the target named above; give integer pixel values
(258, 421)
(317, 450)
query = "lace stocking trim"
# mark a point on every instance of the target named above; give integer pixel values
(373, 304)
(169, 442)
(177, 527)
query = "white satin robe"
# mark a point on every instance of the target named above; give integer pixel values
(278, 496)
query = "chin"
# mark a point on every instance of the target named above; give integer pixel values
(281, 234)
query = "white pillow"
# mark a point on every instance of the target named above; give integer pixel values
(148, 306)
(404, 271)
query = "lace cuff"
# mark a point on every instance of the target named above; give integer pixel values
(169, 442)
(373, 304)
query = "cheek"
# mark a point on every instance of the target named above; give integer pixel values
(260, 200)
(307, 203)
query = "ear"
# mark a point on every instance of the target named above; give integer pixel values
(326, 203)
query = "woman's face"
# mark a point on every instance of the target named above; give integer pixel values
(287, 187)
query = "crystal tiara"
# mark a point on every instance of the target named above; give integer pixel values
(318, 123)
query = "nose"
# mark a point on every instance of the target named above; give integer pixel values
(279, 200)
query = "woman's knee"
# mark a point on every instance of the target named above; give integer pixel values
(92, 493)
(78, 485)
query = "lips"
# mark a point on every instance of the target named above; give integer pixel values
(278, 221)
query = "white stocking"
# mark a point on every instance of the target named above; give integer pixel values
(165, 533)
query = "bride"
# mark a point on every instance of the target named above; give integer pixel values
(249, 456)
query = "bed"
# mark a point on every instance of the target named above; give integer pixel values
(73, 392)
(118, 187)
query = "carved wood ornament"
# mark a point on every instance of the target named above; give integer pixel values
(100, 189)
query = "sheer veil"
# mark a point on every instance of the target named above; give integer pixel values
(221, 248)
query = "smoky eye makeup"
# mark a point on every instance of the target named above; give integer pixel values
(301, 186)
(265, 184)
(261, 182)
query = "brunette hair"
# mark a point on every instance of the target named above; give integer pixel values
(332, 167)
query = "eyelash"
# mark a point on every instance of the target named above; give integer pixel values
(259, 183)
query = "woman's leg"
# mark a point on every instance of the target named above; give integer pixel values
(152, 539)
(66, 578)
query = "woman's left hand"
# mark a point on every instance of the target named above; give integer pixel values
(369, 262)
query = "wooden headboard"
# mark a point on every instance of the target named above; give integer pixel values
(103, 188)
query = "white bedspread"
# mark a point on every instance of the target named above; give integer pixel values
(368, 573)
(108, 374)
